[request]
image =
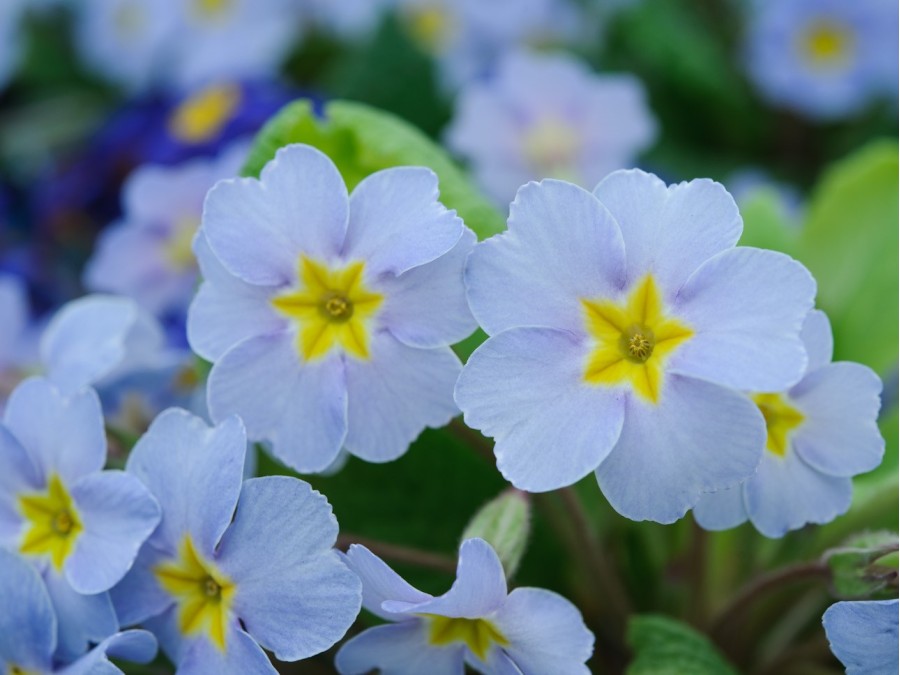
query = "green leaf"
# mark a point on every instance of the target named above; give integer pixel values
(504, 523)
(664, 646)
(766, 224)
(362, 140)
(850, 244)
(858, 569)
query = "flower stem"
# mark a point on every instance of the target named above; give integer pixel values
(401, 554)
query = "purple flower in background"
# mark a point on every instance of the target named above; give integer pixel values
(329, 318)
(823, 58)
(549, 116)
(477, 622)
(863, 635)
(821, 433)
(147, 254)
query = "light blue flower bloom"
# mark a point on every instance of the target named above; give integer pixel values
(232, 565)
(147, 255)
(549, 116)
(821, 432)
(476, 622)
(328, 319)
(28, 629)
(824, 58)
(620, 324)
(81, 526)
(863, 635)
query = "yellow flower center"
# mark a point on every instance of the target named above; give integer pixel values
(202, 116)
(826, 44)
(431, 27)
(52, 521)
(632, 341)
(332, 307)
(210, 9)
(550, 147)
(203, 594)
(477, 634)
(781, 420)
(19, 670)
(178, 250)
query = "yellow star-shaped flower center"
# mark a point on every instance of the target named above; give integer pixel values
(332, 307)
(826, 44)
(431, 26)
(203, 594)
(53, 525)
(203, 116)
(550, 146)
(781, 420)
(477, 634)
(211, 10)
(632, 341)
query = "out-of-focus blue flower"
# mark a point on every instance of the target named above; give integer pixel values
(19, 337)
(233, 567)
(863, 635)
(81, 526)
(821, 432)
(28, 629)
(549, 116)
(530, 630)
(342, 308)
(751, 182)
(142, 44)
(621, 322)
(147, 255)
(824, 58)
(10, 38)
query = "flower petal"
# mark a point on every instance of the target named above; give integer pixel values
(17, 475)
(546, 633)
(699, 438)
(839, 435)
(82, 619)
(395, 394)
(746, 307)
(721, 510)
(397, 222)
(27, 622)
(139, 596)
(426, 306)
(138, 646)
(817, 340)
(525, 388)
(669, 231)
(479, 589)
(257, 229)
(380, 582)
(398, 649)
(863, 635)
(301, 408)
(785, 494)
(118, 514)
(294, 595)
(562, 245)
(241, 656)
(73, 445)
(226, 309)
(195, 474)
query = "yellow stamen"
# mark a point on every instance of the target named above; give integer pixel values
(211, 9)
(781, 420)
(430, 26)
(477, 634)
(53, 523)
(632, 341)
(203, 594)
(203, 116)
(826, 44)
(333, 309)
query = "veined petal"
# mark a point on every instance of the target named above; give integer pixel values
(139, 596)
(562, 245)
(138, 646)
(27, 622)
(399, 649)
(241, 656)
(82, 619)
(817, 340)
(526, 388)
(669, 453)
(863, 635)
(721, 510)
(380, 582)
(17, 475)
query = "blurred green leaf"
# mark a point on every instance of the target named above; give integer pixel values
(766, 224)
(505, 523)
(362, 140)
(849, 243)
(664, 646)
(855, 570)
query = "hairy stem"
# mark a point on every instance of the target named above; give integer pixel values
(401, 554)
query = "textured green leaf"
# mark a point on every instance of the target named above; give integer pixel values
(849, 243)
(361, 140)
(505, 523)
(664, 646)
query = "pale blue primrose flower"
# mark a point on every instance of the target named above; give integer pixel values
(328, 319)
(621, 323)
(530, 631)
(863, 635)
(147, 255)
(81, 526)
(820, 433)
(548, 116)
(28, 629)
(233, 565)
(824, 58)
